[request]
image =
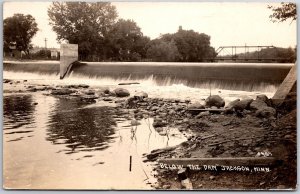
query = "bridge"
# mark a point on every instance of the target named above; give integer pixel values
(242, 54)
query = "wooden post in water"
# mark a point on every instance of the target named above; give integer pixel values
(130, 163)
(68, 55)
(286, 86)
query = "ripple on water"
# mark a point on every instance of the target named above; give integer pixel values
(80, 129)
(18, 116)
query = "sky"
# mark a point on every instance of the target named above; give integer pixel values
(227, 24)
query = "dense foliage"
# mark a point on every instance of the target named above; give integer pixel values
(18, 31)
(85, 24)
(160, 50)
(96, 30)
(184, 45)
(284, 12)
(127, 42)
(42, 54)
(101, 36)
(276, 53)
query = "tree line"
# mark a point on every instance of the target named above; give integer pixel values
(102, 36)
(288, 55)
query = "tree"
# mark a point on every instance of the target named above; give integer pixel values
(284, 12)
(279, 54)
(19, 30)
(192, 46)
(85, 24)
(127, 41)
(160, 50)
(42, 54)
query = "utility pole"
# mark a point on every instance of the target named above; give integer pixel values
(45, 43)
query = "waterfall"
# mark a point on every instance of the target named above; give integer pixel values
(229, 76)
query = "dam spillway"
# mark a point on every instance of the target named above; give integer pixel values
(233, 76)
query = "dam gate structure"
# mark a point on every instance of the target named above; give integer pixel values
(286, 86)
(69, 55)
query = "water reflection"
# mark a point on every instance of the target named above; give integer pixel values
(18, 112)
(81, 129)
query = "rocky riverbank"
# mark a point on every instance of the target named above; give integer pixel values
(241, 128)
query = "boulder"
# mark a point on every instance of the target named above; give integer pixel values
(140, 95)
(154, 108)
(172, 112)
(266, 112)
(257, 104)
(103, 90)
(71, 86)
(264, 98)
(232, 104)
(32, 89)
(130, 102)
(241, 105)
(89, 92)
(7, 81)
(88, 98)
(63, 91)
(106, 91)
(107, 99)
(215, 100)
(111, 93)
(178, 108)
(205, 113)
(158, 122)
(121, 92)
(83, 86)
(196, 105)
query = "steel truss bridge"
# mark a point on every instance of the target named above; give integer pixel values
(242, 54)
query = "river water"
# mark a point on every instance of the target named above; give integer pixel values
(54, 143)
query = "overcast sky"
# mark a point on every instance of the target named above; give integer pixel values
(226, 23)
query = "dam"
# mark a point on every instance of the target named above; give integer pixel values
(230, 76)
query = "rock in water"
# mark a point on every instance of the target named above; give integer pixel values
(231, 105)
(215, 100)
(196, 105)
(63, 91)
(89, 92)
(88, 98)
(158, 122)
(140, 95)
(265, 112)
(264, 98)
(200, 115)
(257, 104)
(121, 92)
(135, 123)
(83, 86)
(239, 105)
(244, 104)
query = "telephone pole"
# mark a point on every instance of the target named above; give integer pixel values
(45, 43)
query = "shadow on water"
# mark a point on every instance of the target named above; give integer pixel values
(18, 115)
(79, 128)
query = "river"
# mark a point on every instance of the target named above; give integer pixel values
(56, 143)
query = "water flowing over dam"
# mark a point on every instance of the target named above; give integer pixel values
(230, 76)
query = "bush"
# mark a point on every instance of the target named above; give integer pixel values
(42, 54)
